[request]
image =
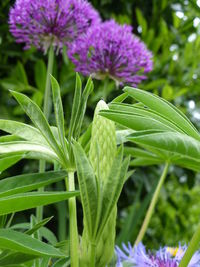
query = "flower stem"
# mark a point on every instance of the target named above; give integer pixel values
(73, 231)
(193, 246)
(46, 110)
(152, 205)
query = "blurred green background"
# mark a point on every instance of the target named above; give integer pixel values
(171, 30)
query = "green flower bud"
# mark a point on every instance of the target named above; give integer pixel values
(102, 152)
(103, 142)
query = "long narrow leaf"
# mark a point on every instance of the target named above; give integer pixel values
(31, 200)
(87, 185)
(23, 131)
(58, 107)
(87, 91)
(135, 121)
(28, 182)
(27, 147)
(134, 110)
(38, 119)
(113, 187)
(163, 107)
(176, 143)
(21, 242)
(75, 106)
(8, 161)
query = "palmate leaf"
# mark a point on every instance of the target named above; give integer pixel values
(20, 242)
(142, 111)
(165, 109)
(24, 201)
(176, 143)
(28, 182)
(142, 157)
(135, 121)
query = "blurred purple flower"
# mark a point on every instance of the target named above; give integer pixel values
(164, 257)
(110, 49)
(42, 23)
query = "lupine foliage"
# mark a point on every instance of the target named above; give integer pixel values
(173, 79)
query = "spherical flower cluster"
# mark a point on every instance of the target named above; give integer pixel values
(164, 257)
(43, 23)
(110, 49)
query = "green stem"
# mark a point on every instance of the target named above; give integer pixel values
(92, 254)
(73, 231)
(152, 205)
(193, 246)
(46, 110)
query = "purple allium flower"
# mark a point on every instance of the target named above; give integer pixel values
(164, 257)
(43, 22)
(110, 49)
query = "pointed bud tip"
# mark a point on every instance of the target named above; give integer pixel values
(101, 105)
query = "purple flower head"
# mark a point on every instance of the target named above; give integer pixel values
(164, 257)
(110, 49)
(42, 23)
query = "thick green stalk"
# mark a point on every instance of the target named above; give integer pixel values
(46, 110)
(152, 205)
(73, 231)
(92, 254)
(193, 246)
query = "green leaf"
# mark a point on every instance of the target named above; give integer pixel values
(75, 106)
(23, 243)
(21, 73)
(40, 74)
(164, 108)
(8, 161)
(27, 147)
(141, 21)
(134, 121)
(44, 232)
(23, 131)
(62, 263)
(141, 111)
(119, 98)
(39, 120)
(176, 143)
(31, 200)
(28, 182)
(113, 187)
(88, 187)
(10, 258)
(38, 226)
(87, 91)
(58, 107)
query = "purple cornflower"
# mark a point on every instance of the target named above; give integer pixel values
(43, 23)
(164, 257)
(110, 49)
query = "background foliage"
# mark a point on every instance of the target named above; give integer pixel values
(171, 30)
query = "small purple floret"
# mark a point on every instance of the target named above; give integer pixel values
(164, 257)
(42, 23)
(110, 49)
